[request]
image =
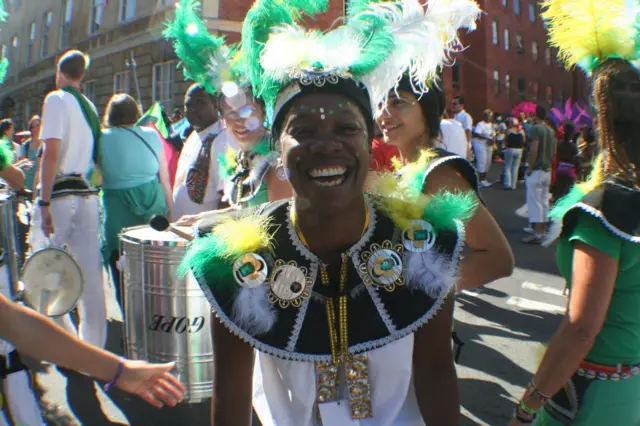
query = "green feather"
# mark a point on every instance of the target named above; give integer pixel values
(227, 165)
(257, 26)
(445, 208)
(378, 42)
(4, 67)
(6, 155)
(3, 12)
(209, 260)
(193, 44)
(262, 148)
(565, 203)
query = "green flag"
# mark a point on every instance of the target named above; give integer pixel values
(155, 116)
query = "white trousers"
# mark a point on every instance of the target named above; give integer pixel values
(538, 183)
(76, 221)
(484, 154)
(16, 388)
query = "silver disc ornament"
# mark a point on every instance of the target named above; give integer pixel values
(250, 270)
(420, 236)
(288, 282)
(384, 267)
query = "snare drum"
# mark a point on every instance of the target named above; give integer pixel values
(167, 319)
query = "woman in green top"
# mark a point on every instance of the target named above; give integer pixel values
(135, 176)
(590, 374)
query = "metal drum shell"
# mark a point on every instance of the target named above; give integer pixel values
(167, 319)
(9, 239)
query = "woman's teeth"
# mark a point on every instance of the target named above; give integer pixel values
(327, 171)
(328, 176)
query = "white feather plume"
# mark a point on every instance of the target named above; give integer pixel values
(219, 68)
(424, 39)
(430, 272)
(252, 311)
(291, 47)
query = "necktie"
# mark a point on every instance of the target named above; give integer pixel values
(198, 174)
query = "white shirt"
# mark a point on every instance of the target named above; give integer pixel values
(453, 138)
(284, 392)
(182, 204)
(465, 119)
(62, 118)
(485, 129)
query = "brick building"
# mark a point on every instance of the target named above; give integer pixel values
(124, 40)
(509, 61)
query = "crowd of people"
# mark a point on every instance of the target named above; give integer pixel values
(326, 193)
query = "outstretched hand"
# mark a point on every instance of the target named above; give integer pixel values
(151, 382)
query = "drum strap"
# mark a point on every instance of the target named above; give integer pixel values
(72, 185)
(11, 364)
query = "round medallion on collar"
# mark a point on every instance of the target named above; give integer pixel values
(420, 236)
(290, 284)
(250, 270)
(382, 265)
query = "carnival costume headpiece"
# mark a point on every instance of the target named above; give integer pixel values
(363, 59)
(205, 58)
(604, 41)
(4, 63)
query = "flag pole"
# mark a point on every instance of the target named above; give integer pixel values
(131, 63)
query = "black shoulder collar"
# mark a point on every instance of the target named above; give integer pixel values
(393, 289)
(616, 206)
(461, 164)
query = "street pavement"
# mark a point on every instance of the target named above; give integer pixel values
(504, 327)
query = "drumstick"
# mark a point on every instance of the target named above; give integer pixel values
(161, 224)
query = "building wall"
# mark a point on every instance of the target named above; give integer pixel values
(116, 45)
(483, 58)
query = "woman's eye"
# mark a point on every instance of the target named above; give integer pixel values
(301, 131)
(348, 129)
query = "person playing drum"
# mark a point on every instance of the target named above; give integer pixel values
(347, 296)
(67, 212)
(247, 169)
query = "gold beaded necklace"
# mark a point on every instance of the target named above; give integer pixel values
(339, 343)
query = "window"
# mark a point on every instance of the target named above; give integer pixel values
(65, 31)
(505, 3)
(561, 96)
(165, 3)
(496, 81)
(127, 10)
(520, 43)
(534, 50)
(455, 76)
(495, 35)
(33, 31)
(507, 85)
(47, 21)
(533, 12)
(522, 88)
(536, 90)
(27, 112)
(90, 90)
(97, 7)
(517, 6)
(15, 49)
(122, 82)
(163, 79)
(549, 95)
(507, 43)
(547, 56)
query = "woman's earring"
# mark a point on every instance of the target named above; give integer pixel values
(282, 173)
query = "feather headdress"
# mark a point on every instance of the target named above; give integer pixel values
(377, 44)
(588, 32)
(204, 57)
(4, 63)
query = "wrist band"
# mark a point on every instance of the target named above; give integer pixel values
(112, 383)
(523, 420)
(526, 409)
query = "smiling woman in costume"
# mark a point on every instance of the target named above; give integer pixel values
(346, 296)
(248, 173)
(590, 373)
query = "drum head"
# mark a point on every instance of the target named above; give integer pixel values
(53, 282)
(148, 236)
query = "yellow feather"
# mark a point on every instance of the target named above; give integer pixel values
(245, 235)
(596, 178)
(587, 32)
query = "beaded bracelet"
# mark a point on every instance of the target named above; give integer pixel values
(113, 382)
